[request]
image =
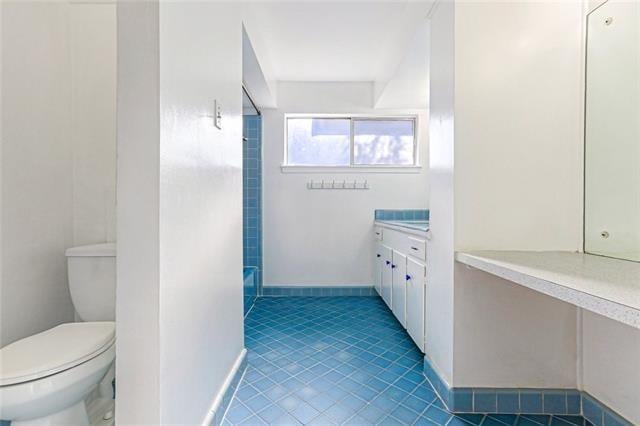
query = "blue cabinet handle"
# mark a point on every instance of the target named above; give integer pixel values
(378, 255)
(393, 266)
(388, 263)
(408, 277)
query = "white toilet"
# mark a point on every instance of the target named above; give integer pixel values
(45, 378)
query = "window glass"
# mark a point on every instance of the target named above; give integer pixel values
(318, 141)
(386, 142)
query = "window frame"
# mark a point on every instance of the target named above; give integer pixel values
(354, 168)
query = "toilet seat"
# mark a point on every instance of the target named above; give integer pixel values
(55, 350)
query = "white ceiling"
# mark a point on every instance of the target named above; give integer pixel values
(345, 40)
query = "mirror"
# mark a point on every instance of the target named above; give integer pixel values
(612, 131)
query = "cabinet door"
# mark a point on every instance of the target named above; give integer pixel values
(416, 283)
(377, 269)
(386, 274)
(399, 268)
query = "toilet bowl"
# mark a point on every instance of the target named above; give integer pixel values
(45, 378)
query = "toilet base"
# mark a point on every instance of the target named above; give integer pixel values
(101, 412)
(106, 388)
(75, 415)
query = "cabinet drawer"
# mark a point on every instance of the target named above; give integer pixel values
(377, 233)
(417, 248)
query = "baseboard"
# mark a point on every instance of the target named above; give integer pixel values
(317, 291)
(522, 401)
(600, 414)
(221, 402)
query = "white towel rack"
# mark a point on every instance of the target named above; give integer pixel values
(338, 184)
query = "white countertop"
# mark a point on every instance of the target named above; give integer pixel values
(609, 287)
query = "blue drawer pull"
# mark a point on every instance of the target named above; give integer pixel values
(388, 263)
(393, 266)
(408, 277)
(378, 255)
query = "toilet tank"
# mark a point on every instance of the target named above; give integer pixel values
(92, 281)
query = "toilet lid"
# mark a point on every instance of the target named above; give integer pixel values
(54, 350)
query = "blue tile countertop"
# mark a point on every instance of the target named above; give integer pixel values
(402, 215)
(417, 225)
(416, 220)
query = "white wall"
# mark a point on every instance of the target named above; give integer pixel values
(59, 153)
(93, 121)
(518, 169)
(266, 93)
(611, 364)
(324, 238)
(517, 183)
(200, 205)
(439, 311)
(1, 173)
(138, 264)
(36, 169)
(253, 74)
(518, 125)
(408, 86)
(179, 208)
(500, 328)
(593, 4)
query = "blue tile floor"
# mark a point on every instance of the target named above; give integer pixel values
(341, 360)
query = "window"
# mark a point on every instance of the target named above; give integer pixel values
(387, 142)
(318, 141)
(356, 141)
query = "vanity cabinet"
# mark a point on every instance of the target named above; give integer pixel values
(378, 262)
(387, 275)
(415, 308)
(398, 285)
(401, 277)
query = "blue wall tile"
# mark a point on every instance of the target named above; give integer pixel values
(508, 401)
(531, 402)
(573, 402)
(385, 214)
(543, 403)
(252, 200)
(592, 411)
(462, 400)
(554, 402)
(612, 419)
(298, 291)
(484, 401)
